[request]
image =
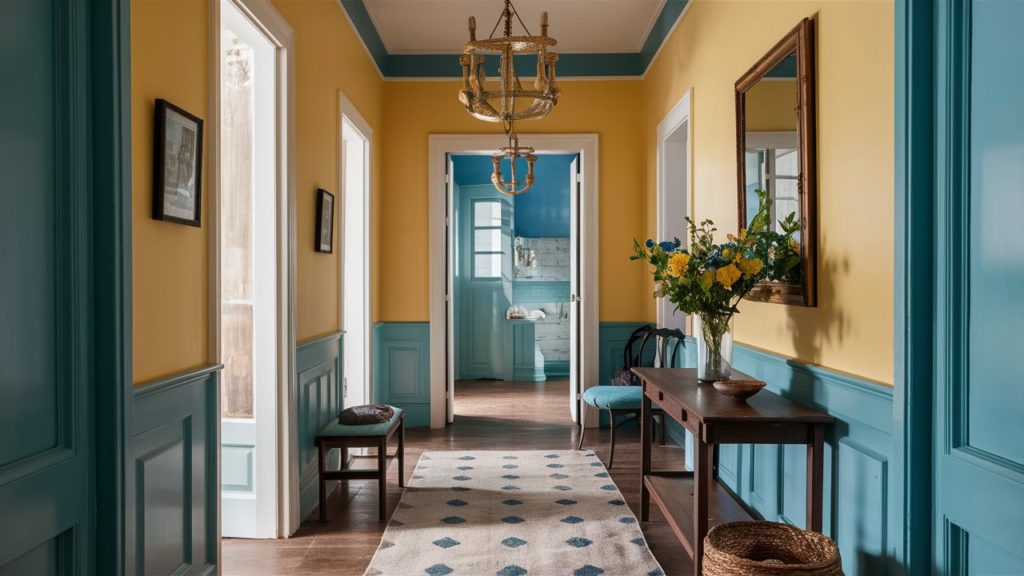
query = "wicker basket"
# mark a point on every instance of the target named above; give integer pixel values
(769, 549)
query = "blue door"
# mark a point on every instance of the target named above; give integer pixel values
(47, 491)
(978, 521)
(483, 282)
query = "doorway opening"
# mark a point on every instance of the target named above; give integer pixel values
(674, 191)
(511, 269)
(355, 254)
(444, 255)
(253, 333)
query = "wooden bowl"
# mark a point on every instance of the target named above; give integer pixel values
(739, 389)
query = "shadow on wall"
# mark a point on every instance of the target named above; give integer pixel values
(812, 328)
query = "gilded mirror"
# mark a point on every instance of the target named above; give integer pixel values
(776, 153)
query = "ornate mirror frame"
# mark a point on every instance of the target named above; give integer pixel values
(801, 42)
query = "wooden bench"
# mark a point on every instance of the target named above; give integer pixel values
(342, 436)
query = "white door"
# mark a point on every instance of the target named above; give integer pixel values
(575, 355)
(248, 278)
(449, 291)
(355, 264)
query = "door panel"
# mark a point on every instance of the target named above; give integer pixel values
(574, 289)
(979, 491)
(45, 303)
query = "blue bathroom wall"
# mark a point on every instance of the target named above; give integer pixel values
(543, 212)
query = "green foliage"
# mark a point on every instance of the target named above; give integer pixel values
(709, 278)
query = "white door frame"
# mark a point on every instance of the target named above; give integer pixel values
(266, 18)
(440, 146)
(668, 185)
(351, 113)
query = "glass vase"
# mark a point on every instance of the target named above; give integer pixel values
(714, 348)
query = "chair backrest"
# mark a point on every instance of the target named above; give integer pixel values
(667, 343)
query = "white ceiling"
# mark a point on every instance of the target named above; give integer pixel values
(440, 26)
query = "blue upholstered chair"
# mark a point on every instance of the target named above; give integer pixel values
(623, 396)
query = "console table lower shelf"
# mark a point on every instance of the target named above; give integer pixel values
(673, 492)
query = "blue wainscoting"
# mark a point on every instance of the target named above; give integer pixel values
(401, 368)
(772, 479)
(171, 478)
(318, 367)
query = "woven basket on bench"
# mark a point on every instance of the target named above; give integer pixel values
(769, 549)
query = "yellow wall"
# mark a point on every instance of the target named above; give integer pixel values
(716, 42)
(170, 60)
(771, 106)
(170, 276)
(416, 109)
(329, 57)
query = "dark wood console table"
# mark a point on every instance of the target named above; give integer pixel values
(694, 501)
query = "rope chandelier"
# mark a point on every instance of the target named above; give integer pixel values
(508, 100)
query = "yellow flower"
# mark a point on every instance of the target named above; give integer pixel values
(728, 275)
(727, 254)
(794, 246)
(743, 233)
(750, 267)
(677, 264)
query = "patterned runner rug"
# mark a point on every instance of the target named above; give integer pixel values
(510, 514)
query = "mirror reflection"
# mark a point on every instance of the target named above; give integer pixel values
(775, 113)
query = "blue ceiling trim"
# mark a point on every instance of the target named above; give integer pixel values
(569, 65)
(367, 31)
(670, 14)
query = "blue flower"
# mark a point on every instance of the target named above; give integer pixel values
(649, 243)
(668, 246)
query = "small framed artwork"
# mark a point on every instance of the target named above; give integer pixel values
(324, 221)
(177, 165)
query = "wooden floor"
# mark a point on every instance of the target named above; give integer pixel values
(489, 416)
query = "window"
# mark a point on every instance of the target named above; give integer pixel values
(777, 172)
(487, 236)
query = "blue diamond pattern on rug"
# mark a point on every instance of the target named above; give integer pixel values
(446, 542)
(506, 525)
(513, 542)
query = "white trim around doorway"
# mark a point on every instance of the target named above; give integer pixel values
(266, 18)
(674, 131)
(440, 146)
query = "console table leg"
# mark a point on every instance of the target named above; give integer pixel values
(645, 457)
(702, 478)
(815, 477)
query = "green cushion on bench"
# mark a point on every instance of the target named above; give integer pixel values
(339, 430)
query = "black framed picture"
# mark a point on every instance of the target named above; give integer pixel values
(177, 165)
(324, 221)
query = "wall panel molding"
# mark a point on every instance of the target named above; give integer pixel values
(171, 485)
(402, 369)
(319, 366)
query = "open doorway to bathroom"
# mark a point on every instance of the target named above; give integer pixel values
(512, 265)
